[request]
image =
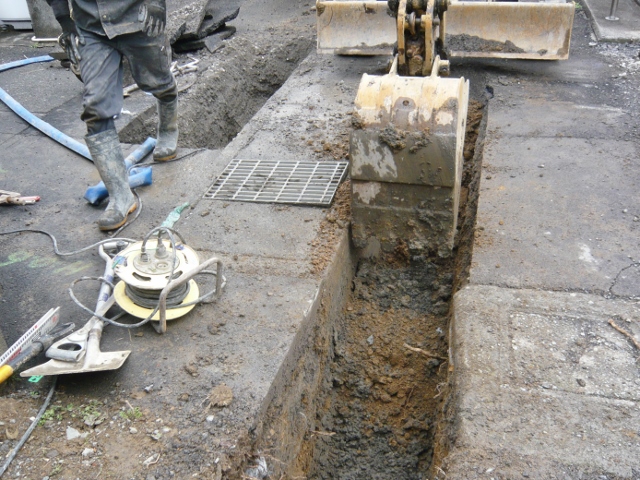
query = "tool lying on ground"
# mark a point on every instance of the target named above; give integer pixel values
(157, 284)
(15, 198)
(36, 340)
(80, 351)
(411, 122)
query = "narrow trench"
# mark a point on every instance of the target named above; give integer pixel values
(382, 409)
(231, 87)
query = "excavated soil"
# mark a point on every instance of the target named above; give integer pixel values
(382, 402)
(232, 86)
(470, 43)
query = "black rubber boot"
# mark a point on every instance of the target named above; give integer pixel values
(107, 156)
(167, 145)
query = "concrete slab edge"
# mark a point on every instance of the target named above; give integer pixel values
(288, 412)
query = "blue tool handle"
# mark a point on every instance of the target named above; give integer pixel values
(138, 177)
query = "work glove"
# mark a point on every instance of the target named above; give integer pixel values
(153, 15)
(69, 41)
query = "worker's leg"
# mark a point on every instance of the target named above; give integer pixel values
(101, 69)
(150, 61)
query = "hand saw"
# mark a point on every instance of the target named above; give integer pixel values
(34, 341)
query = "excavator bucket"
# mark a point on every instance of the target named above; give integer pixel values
(516, 30)
(355, 28)
(406, 162)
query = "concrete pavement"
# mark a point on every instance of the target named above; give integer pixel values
(622, 26)
(544, 387)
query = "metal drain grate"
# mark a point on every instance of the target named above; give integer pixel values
(272, 181)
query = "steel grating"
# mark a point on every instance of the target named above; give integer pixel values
(273, 181)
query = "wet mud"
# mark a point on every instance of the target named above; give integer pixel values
(469, 43)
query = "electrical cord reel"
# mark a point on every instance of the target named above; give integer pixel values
(156, 278)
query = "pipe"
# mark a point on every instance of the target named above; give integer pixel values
(44, 40)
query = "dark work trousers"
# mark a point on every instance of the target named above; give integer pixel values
(101, 69)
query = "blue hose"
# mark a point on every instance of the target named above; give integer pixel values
(26, 61)
(31, 119)
(44, 127)
(65, 140)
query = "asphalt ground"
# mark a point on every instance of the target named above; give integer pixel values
(551, 260)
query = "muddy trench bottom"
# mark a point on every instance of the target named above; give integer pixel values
(388, 375)
(382, 409)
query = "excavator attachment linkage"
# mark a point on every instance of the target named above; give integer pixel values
(406, 147)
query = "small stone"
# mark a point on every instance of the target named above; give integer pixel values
(581, 382)
(151, 460)
(221, 396)
(370, 340)
(546, 386)
(191, 370)
(133, 430)
(148, 388)
(210, 418)
(72, 433)
(52, 453)
(541, 165)
(88, 452)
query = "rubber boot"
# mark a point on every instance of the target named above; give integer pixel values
(167, 146)
(107, 156)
